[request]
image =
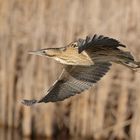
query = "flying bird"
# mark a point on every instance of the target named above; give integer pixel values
(85, 62)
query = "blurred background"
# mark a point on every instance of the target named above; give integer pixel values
(108, 111)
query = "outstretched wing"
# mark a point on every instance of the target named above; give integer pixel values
(73, 80)
(97, 41)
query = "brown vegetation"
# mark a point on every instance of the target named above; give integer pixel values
(109, 110)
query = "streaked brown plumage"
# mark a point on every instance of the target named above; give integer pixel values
(85, 62)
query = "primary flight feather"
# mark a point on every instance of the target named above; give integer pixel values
(85, 62)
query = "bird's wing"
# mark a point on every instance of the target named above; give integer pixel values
(73, 80)
(97, 40)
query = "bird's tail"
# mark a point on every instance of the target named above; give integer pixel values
(132, 65)
(129, 62)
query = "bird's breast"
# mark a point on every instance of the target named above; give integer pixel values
(75, 59)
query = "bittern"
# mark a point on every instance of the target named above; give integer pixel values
(85, 62)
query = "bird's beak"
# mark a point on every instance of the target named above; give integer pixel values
(49, 52)
(38, 52)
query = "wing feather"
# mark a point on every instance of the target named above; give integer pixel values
(98, 40)
(73, 80)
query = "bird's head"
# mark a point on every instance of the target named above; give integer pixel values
(66, 55)
(48, 52)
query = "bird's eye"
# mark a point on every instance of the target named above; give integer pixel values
(43, 52)
(74, 45)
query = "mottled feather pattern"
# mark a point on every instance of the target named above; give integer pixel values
(74, 80)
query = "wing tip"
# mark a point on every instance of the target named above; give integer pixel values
(28, 102)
